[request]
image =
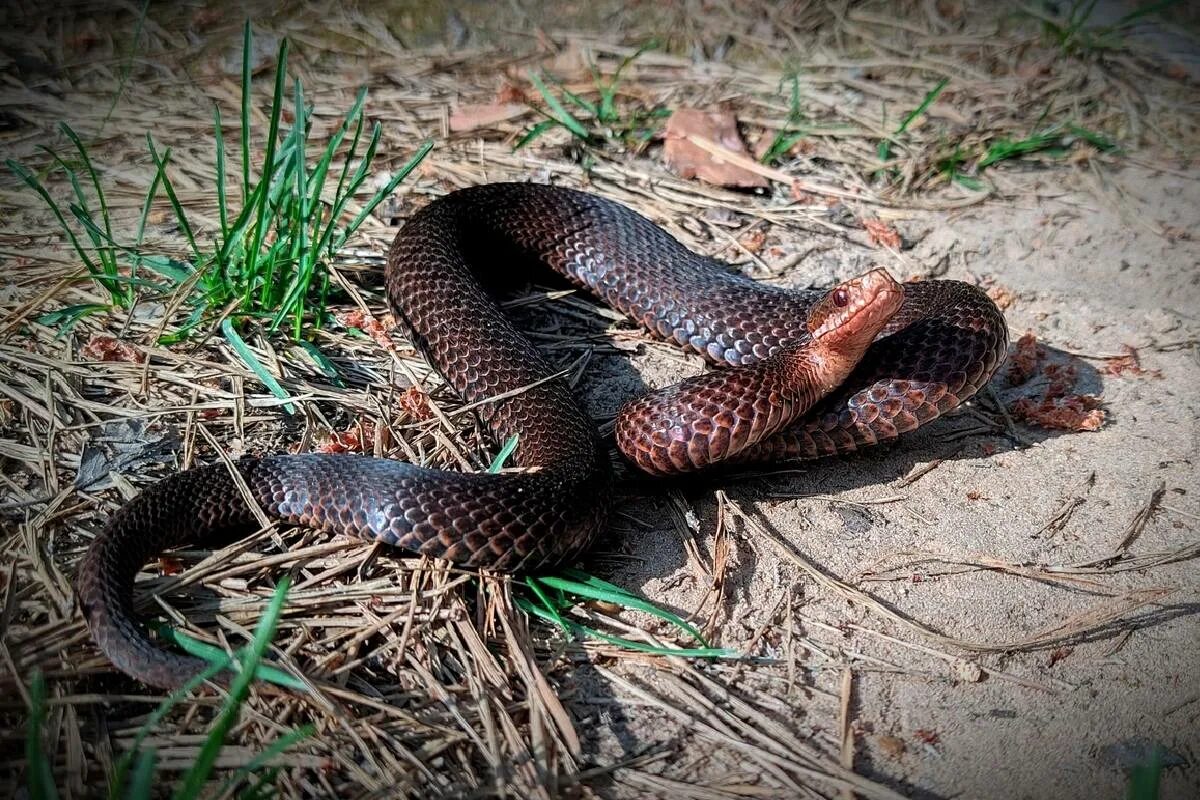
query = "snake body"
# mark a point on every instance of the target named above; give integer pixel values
(797, 390)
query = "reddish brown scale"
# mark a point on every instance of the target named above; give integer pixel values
(942, 344)
(716, 416)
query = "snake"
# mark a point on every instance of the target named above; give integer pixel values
(797, 374)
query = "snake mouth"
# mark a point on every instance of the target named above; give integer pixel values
(858, 308)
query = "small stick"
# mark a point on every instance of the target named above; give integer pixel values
(1142, 517)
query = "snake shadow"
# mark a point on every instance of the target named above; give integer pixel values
(644, 544)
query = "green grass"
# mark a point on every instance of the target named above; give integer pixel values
(266, 265)
(794, 127)
(884, 151)
(964, 164)
(1144, 778)
(595, 120)
(134, 776)
(1075, 37)
(551, 598)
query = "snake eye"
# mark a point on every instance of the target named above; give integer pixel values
(841, 298)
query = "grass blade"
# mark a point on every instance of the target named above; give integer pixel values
(247, 355)
(124, 762)
(510, 446)
(560, 112)
(219, 135)
(33, 183)
(87, 163)
(40, 777)
(383, 193)
(272, 750)
(596, 589)
(259, 232)
(536, 131)
(68, 316)
(161, 164)
(247, 41)
(193, 782)
(142, 780)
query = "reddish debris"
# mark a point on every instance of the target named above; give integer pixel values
(892, 746)
(1059, 654)
(754, 240)
(803, 196)
(882, 233)
(358, 438)
(511, 93)
(102, 347)
(1127, 364)
(374, 328)
(416, 403)
(1076, 412)
(1058, 407)
(1002, 296)
(927, 736)
(169, 565)
(1027, 356)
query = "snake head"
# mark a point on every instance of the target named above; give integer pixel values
(855, 311)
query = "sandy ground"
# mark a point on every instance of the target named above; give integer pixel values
(987, 540)
(1060, 722)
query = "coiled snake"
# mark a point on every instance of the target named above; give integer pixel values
(814, 374)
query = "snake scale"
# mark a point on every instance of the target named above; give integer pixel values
(806, 374)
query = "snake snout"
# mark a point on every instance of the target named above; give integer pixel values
(858, 308)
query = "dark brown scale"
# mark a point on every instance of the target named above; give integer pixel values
(944, 343)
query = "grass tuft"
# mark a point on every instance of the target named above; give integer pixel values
(134, 775)
(600, 119)
(794, 127)
(1075, 37)
(884, 151)
(267, 264)
(552, 596)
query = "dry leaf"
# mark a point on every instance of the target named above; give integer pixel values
(1002, 296)
(892, 746)
(1077, 412)
(371, 326)
(691, 161)
(470, 117)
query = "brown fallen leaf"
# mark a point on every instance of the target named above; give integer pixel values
(1002, 296)
(358, 438)
(509, 93)
(482, 115)
(371, 326)
(1027, 355)
(688, 160)
(1057, 406)
(753, 240)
